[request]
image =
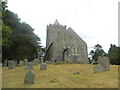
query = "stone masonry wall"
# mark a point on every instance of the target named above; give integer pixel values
(67, 45)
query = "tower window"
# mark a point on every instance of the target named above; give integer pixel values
(58, 33)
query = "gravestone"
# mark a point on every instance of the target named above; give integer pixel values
(21, 63)
(25, 61)
(5, 63)
(43, 66)
(29, 77)
(1, 64)
(10, 64)
(30, 65)
(104, 62)
(98, 68)
(15, 63)
(36, 61)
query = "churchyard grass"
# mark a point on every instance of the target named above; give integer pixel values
(61, 76)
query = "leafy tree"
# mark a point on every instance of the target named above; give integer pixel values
(98, 52)
(19, 39)
(92, 53)
(41, 52)
(91, 58)
(6, 32)
(3, 5)
(114, 54)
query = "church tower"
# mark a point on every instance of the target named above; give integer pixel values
(53, 32)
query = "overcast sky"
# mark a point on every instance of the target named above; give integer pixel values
(95, 21)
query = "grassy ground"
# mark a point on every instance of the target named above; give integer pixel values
(61, 76)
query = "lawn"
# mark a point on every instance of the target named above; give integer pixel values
(61, 76)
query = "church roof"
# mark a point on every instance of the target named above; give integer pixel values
(56, 22)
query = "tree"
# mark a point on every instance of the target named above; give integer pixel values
(114, 54)
(19, 39)
(3, 6)
(6, 32)
(91, 58)
(98, 52)
(92, 53)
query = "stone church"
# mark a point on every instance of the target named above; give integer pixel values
(64, 45)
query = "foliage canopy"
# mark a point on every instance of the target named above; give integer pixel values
(18, 38)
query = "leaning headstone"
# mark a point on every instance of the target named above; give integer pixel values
(30, 65)
(20, 63)
(29, 77)
(5, 63)
(43, 66)
(10, 64)
(36, 61)
(104, 62)
(98, 68)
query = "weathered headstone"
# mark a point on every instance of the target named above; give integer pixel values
(43, 66)
(104, 62)
(30, 65)
(29, 77)
(20, 63)
(10, 64)
(1, 64)
(15, 63)
(25, 61)
(36, 61)
(98, 68)
(5, 63)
